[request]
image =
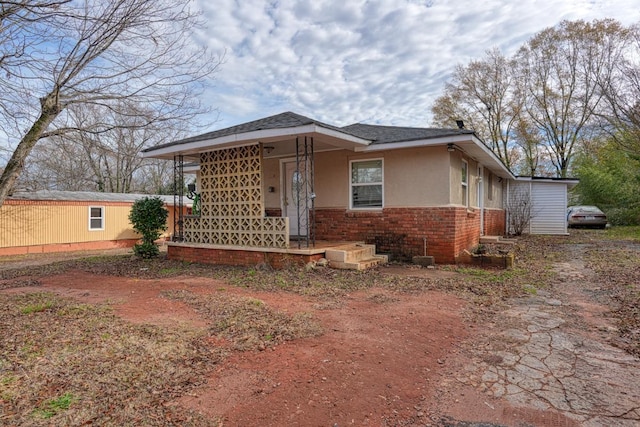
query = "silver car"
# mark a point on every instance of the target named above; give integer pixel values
(586, 216)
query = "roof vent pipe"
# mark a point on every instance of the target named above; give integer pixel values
(460, 124)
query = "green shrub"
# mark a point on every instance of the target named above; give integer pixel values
(149, 218)
(623, 216)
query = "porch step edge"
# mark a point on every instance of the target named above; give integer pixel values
(351, 254)
(360, 265)
(497, 240)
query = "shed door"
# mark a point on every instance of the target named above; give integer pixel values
(549, 204)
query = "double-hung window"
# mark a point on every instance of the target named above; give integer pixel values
(96, 218)
(465, 183)
(366, 186)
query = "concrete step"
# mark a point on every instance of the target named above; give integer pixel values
(355, 256)
(350, 253)
(359, 265)
(497, 240)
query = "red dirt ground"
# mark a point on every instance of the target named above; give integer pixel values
(383, 359)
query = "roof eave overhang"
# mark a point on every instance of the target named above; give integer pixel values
(570, 182)
(467, 143)
(331, 136)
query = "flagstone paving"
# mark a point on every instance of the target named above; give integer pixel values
(553, 356)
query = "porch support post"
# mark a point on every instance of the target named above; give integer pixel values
(178, 198)
(304, 191)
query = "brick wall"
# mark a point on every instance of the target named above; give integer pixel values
(273, 212)
(494, 222)
(238, 257)
(401, 231)
(398, 231)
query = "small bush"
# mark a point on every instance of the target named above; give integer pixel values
(146, 250)
(149, 218)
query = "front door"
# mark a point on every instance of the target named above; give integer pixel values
(293, 182)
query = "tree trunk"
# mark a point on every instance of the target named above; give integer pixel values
(49, 111)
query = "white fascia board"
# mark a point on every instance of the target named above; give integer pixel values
(248, 138)
(569, 182)
(490, 153)
(341, 135)
(415, 143)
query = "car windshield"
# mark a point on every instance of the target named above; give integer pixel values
(590, 209)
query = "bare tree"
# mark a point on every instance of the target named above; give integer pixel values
(156, 177)
(519, 209)
(17, 19)
(24, 26)
(622, 92)
(484, 95)
(529, 142)
(57, 165)
(112, 54)
(561, 67)
(108, 161)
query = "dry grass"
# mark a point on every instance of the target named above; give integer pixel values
(248, 323)
(618, 271)
(64, 363)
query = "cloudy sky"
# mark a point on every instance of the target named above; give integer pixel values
(372, 61)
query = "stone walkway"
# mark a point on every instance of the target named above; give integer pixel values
(553, 356)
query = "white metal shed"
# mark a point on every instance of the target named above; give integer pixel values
(547, 198)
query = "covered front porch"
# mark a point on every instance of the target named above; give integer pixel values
(236, 171)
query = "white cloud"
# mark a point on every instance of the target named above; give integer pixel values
(379, 61)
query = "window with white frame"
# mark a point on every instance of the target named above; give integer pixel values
(465, 183)
(366, 184)
(96, 217)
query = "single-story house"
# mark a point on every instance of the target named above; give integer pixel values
(58, 221)
(288, 185)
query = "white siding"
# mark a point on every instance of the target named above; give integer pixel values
(549, 208)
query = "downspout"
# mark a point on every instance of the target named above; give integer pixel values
(530, 204)
(506, 202)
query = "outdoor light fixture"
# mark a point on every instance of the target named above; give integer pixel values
(451, 148)
(268, 148)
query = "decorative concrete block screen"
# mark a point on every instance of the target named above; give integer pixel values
(232, 209)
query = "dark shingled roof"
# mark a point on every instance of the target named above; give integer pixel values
(279, 121)
(376, 134)
(385, 134)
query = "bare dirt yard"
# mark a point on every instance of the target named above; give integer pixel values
(107, 339)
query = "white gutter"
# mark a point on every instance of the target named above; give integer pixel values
(415, 143)
(237, 138)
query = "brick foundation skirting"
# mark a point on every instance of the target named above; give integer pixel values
(68, 247)
(238, 257)
(494, 222)
(402, 232)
